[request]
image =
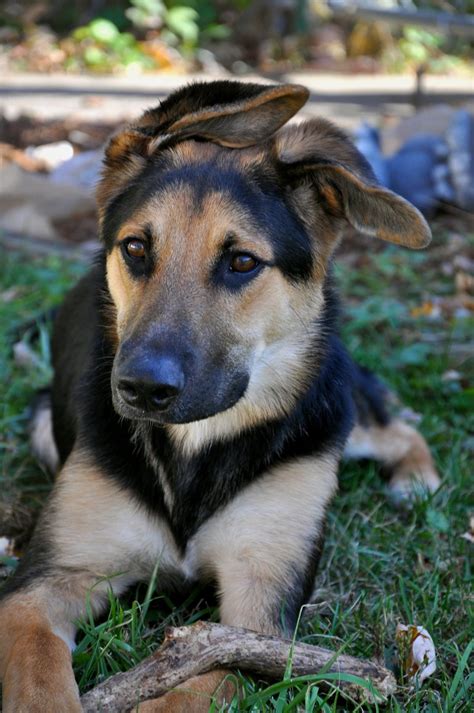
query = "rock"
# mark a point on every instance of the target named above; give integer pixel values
(28, 220)
(210, 64)
(83, 171)
(32, 203)
(411, 171)
(52, 155)
(460, 139)
(433, 120)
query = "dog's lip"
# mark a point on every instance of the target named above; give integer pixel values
(158, 416)
(131, 412)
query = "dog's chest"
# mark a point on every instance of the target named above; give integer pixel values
(196, 487)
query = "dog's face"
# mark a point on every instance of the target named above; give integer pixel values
(218, 234)
(211, 277)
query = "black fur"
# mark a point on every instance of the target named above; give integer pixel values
(370, 397)
(196, 97)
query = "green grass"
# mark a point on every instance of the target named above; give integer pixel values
(380, 566)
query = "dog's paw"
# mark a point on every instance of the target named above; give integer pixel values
(39, 676)
(195, 695)
(405, 488)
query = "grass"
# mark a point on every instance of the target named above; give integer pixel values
(379, 566)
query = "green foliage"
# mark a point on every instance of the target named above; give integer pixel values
(146, 13)
(29, 289)
(101, 47)
(436, 51)
(182, 25)
(182, 21)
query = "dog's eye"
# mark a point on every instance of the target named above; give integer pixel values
(243, 263)
(135, 248)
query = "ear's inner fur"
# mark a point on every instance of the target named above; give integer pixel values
(244, 123)
(369, 208)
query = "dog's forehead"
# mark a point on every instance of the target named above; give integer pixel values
(196, 194)
(195, 182)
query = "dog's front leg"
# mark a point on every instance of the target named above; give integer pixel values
(265, 545)
(263, 550)
(91, 537)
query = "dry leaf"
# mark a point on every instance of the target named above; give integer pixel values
(417, 651)
(427, 309)
(469, 535)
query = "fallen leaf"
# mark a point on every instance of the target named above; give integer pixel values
(469, 535)
(427, 309)
(417, 651)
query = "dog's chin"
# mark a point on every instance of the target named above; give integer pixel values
(175, 414)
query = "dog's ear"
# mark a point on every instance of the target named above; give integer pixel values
(320, 158)
(232, 114)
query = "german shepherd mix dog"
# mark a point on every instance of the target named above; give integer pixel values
(202, 399)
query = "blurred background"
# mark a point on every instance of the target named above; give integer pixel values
(397, 74)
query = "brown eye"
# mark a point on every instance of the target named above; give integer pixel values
(135, 248)
(243, 263)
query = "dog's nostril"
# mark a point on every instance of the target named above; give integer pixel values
(128, 391)
(162, 394)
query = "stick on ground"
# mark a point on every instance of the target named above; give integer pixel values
(191, 650)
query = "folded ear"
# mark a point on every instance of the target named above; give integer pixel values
(343, 183)
(232, 114)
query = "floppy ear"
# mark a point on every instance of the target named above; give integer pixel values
(343, 183)
(232, 114)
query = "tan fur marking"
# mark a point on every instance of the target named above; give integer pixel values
(268, 529)
(100, 527)
(35, 664)
(316, 137)
(399, 447)
(124, 291)
(123, 164)
(196, 695)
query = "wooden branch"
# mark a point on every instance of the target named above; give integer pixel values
(192, 650)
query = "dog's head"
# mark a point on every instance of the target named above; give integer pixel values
(218, 225)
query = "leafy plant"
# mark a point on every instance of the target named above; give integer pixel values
(180, 25)
(101, 46)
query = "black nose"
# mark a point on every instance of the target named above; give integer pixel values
(151, 385)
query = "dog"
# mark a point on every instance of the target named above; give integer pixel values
(202, 399)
